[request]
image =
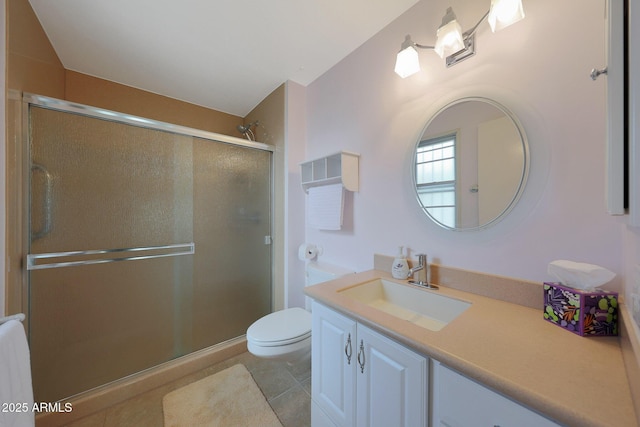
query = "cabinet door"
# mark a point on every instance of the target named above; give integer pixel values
(459, 401)
(333, 358)
(391, 383)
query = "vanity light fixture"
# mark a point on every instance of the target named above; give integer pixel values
(453, 44)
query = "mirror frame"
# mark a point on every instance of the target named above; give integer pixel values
(525, 170)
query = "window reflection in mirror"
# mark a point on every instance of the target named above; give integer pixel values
(471, 164)
(436, 177)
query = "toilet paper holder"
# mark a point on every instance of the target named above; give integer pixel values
(308, 251)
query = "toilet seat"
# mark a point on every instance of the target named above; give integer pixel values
(280, 328)
(286, 334)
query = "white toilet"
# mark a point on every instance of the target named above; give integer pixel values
(286, 334)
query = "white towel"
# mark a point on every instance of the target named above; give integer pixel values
(324, 207)
(15, 376)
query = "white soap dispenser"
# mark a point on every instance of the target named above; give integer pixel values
(400, 268)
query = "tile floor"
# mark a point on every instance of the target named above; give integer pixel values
(287, 388)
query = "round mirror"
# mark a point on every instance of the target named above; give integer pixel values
(470, 164)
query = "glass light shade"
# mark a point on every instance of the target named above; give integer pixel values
(449, 39)
(407, 62)
(504, 13)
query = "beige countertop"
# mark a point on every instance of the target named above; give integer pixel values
(573, 380)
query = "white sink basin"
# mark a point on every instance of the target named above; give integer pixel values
(408, 302)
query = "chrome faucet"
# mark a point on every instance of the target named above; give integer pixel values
(422, 270)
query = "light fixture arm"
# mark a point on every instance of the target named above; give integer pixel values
(472, 31)
(422, 46)
(410, 43)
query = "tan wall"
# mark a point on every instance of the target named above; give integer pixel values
(89, 90)
(32, 63)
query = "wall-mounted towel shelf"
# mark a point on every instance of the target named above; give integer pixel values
(336, 168)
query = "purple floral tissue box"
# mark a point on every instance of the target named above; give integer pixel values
(584, 313)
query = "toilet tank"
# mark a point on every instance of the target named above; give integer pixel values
(318, 272)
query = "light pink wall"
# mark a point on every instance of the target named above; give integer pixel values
(295, 125)
(539, 69)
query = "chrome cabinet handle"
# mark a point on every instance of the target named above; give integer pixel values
(347, 350)
(361, 362)
(48, 188)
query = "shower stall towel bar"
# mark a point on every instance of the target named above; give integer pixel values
(77, 258)
(19, 316)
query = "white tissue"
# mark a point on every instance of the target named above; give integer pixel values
(579, 275)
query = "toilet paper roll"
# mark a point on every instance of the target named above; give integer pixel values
(308, 251)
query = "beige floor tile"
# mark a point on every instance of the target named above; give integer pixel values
(95, 420)
(144, 410)
(293, 407)
(306, 384)
(286, 387)
(274, 381)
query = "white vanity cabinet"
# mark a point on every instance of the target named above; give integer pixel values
(362, 378)
(333, 368)
(459, 401)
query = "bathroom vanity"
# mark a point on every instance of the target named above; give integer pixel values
(493, 363)
(355, 370)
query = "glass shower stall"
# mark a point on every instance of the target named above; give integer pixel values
(145, 242)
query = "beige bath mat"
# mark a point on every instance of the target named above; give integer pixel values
(226, 399)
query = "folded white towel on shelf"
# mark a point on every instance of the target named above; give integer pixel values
(15, 377)
(324, 207)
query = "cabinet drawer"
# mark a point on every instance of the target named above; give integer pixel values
(461, 402)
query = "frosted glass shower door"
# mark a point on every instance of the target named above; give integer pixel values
(232, 233)
(103, 190)
(187, 216)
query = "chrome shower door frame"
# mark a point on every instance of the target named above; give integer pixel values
(64, 259)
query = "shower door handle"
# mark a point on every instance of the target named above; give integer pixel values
(102, 256)
(46, 206)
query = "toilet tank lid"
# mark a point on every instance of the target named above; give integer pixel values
(283, 325)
